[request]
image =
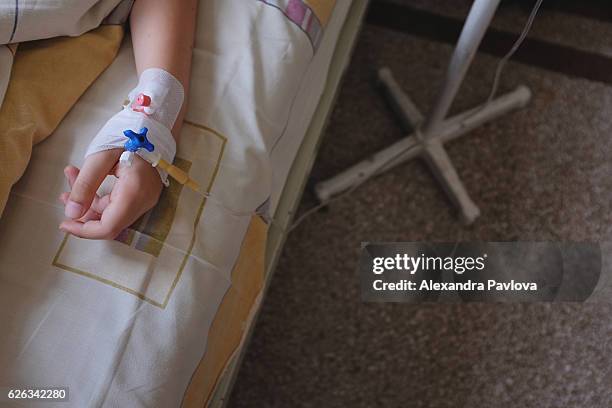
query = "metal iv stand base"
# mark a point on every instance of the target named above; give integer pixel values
(428, 143)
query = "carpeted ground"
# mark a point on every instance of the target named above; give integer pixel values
(542, 173)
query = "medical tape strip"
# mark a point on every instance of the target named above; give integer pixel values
(154, 104)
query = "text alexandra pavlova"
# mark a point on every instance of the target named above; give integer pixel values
(469, 285)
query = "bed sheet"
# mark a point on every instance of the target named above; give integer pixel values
(128, 322)
(303, 106)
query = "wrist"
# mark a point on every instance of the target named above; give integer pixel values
(150, 112)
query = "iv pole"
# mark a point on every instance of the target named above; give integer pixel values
(428, 140)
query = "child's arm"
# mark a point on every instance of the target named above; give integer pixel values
(162, 35)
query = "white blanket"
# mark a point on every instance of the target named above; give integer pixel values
(26, 20)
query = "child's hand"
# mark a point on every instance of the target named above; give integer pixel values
(136, 190)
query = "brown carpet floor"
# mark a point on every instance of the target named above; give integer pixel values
(542, 173)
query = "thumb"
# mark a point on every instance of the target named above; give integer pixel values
(92, 174)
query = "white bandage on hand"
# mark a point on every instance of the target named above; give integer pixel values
(154, 104)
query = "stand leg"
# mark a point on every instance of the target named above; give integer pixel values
(428, 143)
(445, 172)
(410, 147)
(409, 115)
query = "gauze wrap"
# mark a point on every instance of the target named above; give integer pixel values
(155, 104)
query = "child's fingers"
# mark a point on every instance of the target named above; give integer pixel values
(118, 214)
(104, 227)
(97, 206)
(94, 229)
(114, 220)
(71, 172)
(132, 195)
(89, 215)
(88, 180)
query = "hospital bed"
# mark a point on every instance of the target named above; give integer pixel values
(161, 316)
